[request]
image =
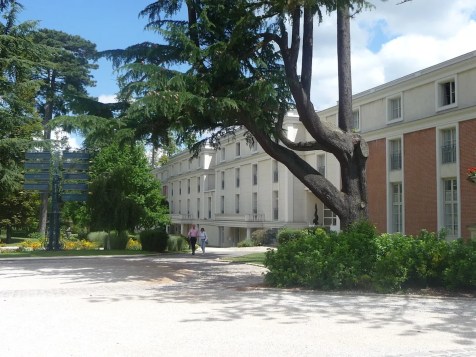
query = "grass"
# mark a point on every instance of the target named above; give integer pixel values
(69, 253)
(253, 258)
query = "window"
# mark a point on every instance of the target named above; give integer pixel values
(330, 219)
(223, 180)
(222, 204)
(254, 203)
(198, 184)
(448, 146)
(198, 208)
(450, 201)
(394, 108)
(237, 203)
(188, 186)
(223, 154)
(355, 120)
(447, 93)
(397, 208)
(209, 207)
(395, 154)
(188, 207)
(172, 207)
(275, 205)
(275, 171)
(255, 174)
(180, 187)
(321, 164)
(254, 146)
(180, 206)
(238, 149)
(237, 177)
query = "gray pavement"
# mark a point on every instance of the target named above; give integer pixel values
(184, 305)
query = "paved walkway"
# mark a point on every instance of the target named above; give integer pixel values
(184, 305)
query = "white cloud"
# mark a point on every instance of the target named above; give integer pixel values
(107, 98)
(391, 41)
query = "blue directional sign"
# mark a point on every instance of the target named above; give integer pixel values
(75, 186)
(42, 187)
(39, 177)
(68, 197)
(75, 176)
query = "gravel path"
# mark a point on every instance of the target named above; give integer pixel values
(184, 305)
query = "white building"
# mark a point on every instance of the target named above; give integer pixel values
(421, 131)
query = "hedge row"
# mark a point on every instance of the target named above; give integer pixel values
(360, 258)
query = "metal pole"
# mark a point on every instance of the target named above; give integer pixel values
(56, 212)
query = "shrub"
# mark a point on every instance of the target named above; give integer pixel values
(264, 237)
(428, 253)
(154, 240)
(97, 237)
(118, 240)
(32, 244)
(287, 234)
(393, 262)
(37, 235)
(299, 262)
(177, 243)
(133, 244)
(460, 272)
(245, 243)
(82, 244)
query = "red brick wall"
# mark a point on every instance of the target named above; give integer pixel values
(420, 195)
(467, 155)
(376, 184)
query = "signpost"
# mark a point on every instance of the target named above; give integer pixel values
(42, 174)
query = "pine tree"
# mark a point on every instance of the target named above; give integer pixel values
(240, 69)
(19, 123)
(64, 75)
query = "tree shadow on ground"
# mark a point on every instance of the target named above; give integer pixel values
(236, 291)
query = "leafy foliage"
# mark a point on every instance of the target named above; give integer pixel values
(359, 258)
(124, 193)
(231, 64)
(264, 237)
(155, 240)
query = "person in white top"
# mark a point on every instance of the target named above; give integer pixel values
(202, 239)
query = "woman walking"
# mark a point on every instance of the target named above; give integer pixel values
(203, 239)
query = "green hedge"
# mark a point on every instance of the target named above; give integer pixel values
(361, 258)
(155, 240)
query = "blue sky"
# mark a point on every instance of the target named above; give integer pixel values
(387, 43)
(110, 24)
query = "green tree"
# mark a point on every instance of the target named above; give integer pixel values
(18, 120)
(125, 195)
(241, 70)
(64, 75)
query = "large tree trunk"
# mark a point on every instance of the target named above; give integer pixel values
(349, 202)
(353, 172)
(9, 234)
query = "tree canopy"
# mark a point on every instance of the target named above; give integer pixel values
(230, 64)
(125, 195)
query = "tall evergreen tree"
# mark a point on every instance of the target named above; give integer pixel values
(64, 77)
(18, 120)
(241, 69)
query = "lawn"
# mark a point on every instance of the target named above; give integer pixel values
(253, 258)
(68, 253)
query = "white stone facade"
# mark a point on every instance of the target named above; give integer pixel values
(421, 131)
